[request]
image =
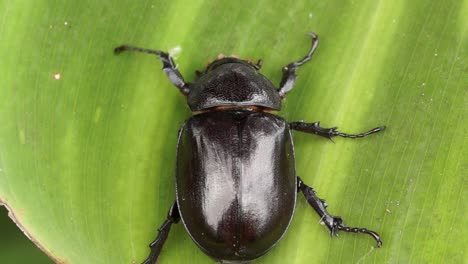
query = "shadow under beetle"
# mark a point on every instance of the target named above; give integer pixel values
(236, 183)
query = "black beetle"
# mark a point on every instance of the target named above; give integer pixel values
(236, 183)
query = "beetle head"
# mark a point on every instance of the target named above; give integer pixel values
(233, 82)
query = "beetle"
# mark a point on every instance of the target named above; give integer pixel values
(236, 183)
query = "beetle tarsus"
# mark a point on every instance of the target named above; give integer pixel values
(169, 67)
(163, 232)
(333, 223)
(315, 128)
(358, 230)
(289, 71)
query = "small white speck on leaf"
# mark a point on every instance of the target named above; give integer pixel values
(57, 76)
(174, 52)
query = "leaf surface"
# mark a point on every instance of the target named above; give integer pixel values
(87, 140)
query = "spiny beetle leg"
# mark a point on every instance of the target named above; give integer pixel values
(169, 67)
(163, 232)
(315, 128)
(289, 71)
(333, 223)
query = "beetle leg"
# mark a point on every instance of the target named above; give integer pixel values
(333, 223)
(315, 128)
(169, 67)
(163, 232)
(289, 71)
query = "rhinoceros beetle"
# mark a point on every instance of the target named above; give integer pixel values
(236, 182)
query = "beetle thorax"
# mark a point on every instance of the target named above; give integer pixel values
(232, 84)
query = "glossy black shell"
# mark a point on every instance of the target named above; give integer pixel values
(236, 182)
(232, 82)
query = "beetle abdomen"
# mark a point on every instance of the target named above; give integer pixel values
(236, 182)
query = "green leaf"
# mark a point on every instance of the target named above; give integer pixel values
(15, 247)
(87, 139)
